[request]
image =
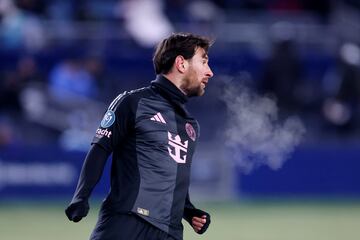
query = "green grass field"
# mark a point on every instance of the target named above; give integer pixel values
(230, 221)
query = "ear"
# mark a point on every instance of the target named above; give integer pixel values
(181, 64)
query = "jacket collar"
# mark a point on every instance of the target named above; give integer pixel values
(169, 89)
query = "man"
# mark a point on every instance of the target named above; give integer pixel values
(152, 138)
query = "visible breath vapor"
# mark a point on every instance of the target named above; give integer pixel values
(254, 131)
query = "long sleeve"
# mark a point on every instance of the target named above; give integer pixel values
(188, 209)
(109, 135)
(91, 172)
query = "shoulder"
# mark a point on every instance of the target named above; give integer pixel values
(129, 99)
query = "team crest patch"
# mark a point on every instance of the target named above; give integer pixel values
(108, 119)
(190, 131)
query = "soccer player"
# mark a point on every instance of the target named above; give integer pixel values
(152, 139)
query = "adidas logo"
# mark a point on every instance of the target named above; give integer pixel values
(158, 118)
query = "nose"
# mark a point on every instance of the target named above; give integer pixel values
(209, 73)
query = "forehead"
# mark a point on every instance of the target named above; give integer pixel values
(200, 53)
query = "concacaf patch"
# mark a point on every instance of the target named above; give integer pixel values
(190, 131)
(108, 119)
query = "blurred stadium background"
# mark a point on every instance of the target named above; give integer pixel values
(63, 61)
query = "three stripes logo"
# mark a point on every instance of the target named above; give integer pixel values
(158, 118)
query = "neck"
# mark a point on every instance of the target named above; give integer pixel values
(176, 80)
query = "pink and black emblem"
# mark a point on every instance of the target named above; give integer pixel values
(190, 131)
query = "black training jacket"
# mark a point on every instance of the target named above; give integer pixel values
(152, 138)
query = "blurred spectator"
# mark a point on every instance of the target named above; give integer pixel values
(14, 126)
(70, 80)
(28, 71)
(74, 90)
(204, 11)
(6, 132)
(185, 11)
(19, 29)
(10, 89)
(95, 66)
(283, 74)
(341, 107)
(14, 81)
(141, 17)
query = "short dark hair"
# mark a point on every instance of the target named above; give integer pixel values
(184, 44)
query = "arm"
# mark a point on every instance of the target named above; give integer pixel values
(198, 219)
(112, 131)
(90, 175)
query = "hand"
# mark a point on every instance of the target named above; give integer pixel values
(77, 210)
(200, 224)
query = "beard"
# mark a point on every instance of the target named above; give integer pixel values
(192, 90)
(191, 86)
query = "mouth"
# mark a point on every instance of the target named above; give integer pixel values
(204, 83)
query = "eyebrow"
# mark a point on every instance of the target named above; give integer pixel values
(205, 56)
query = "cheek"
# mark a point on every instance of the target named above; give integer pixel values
(197, 73)
(195, 76)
